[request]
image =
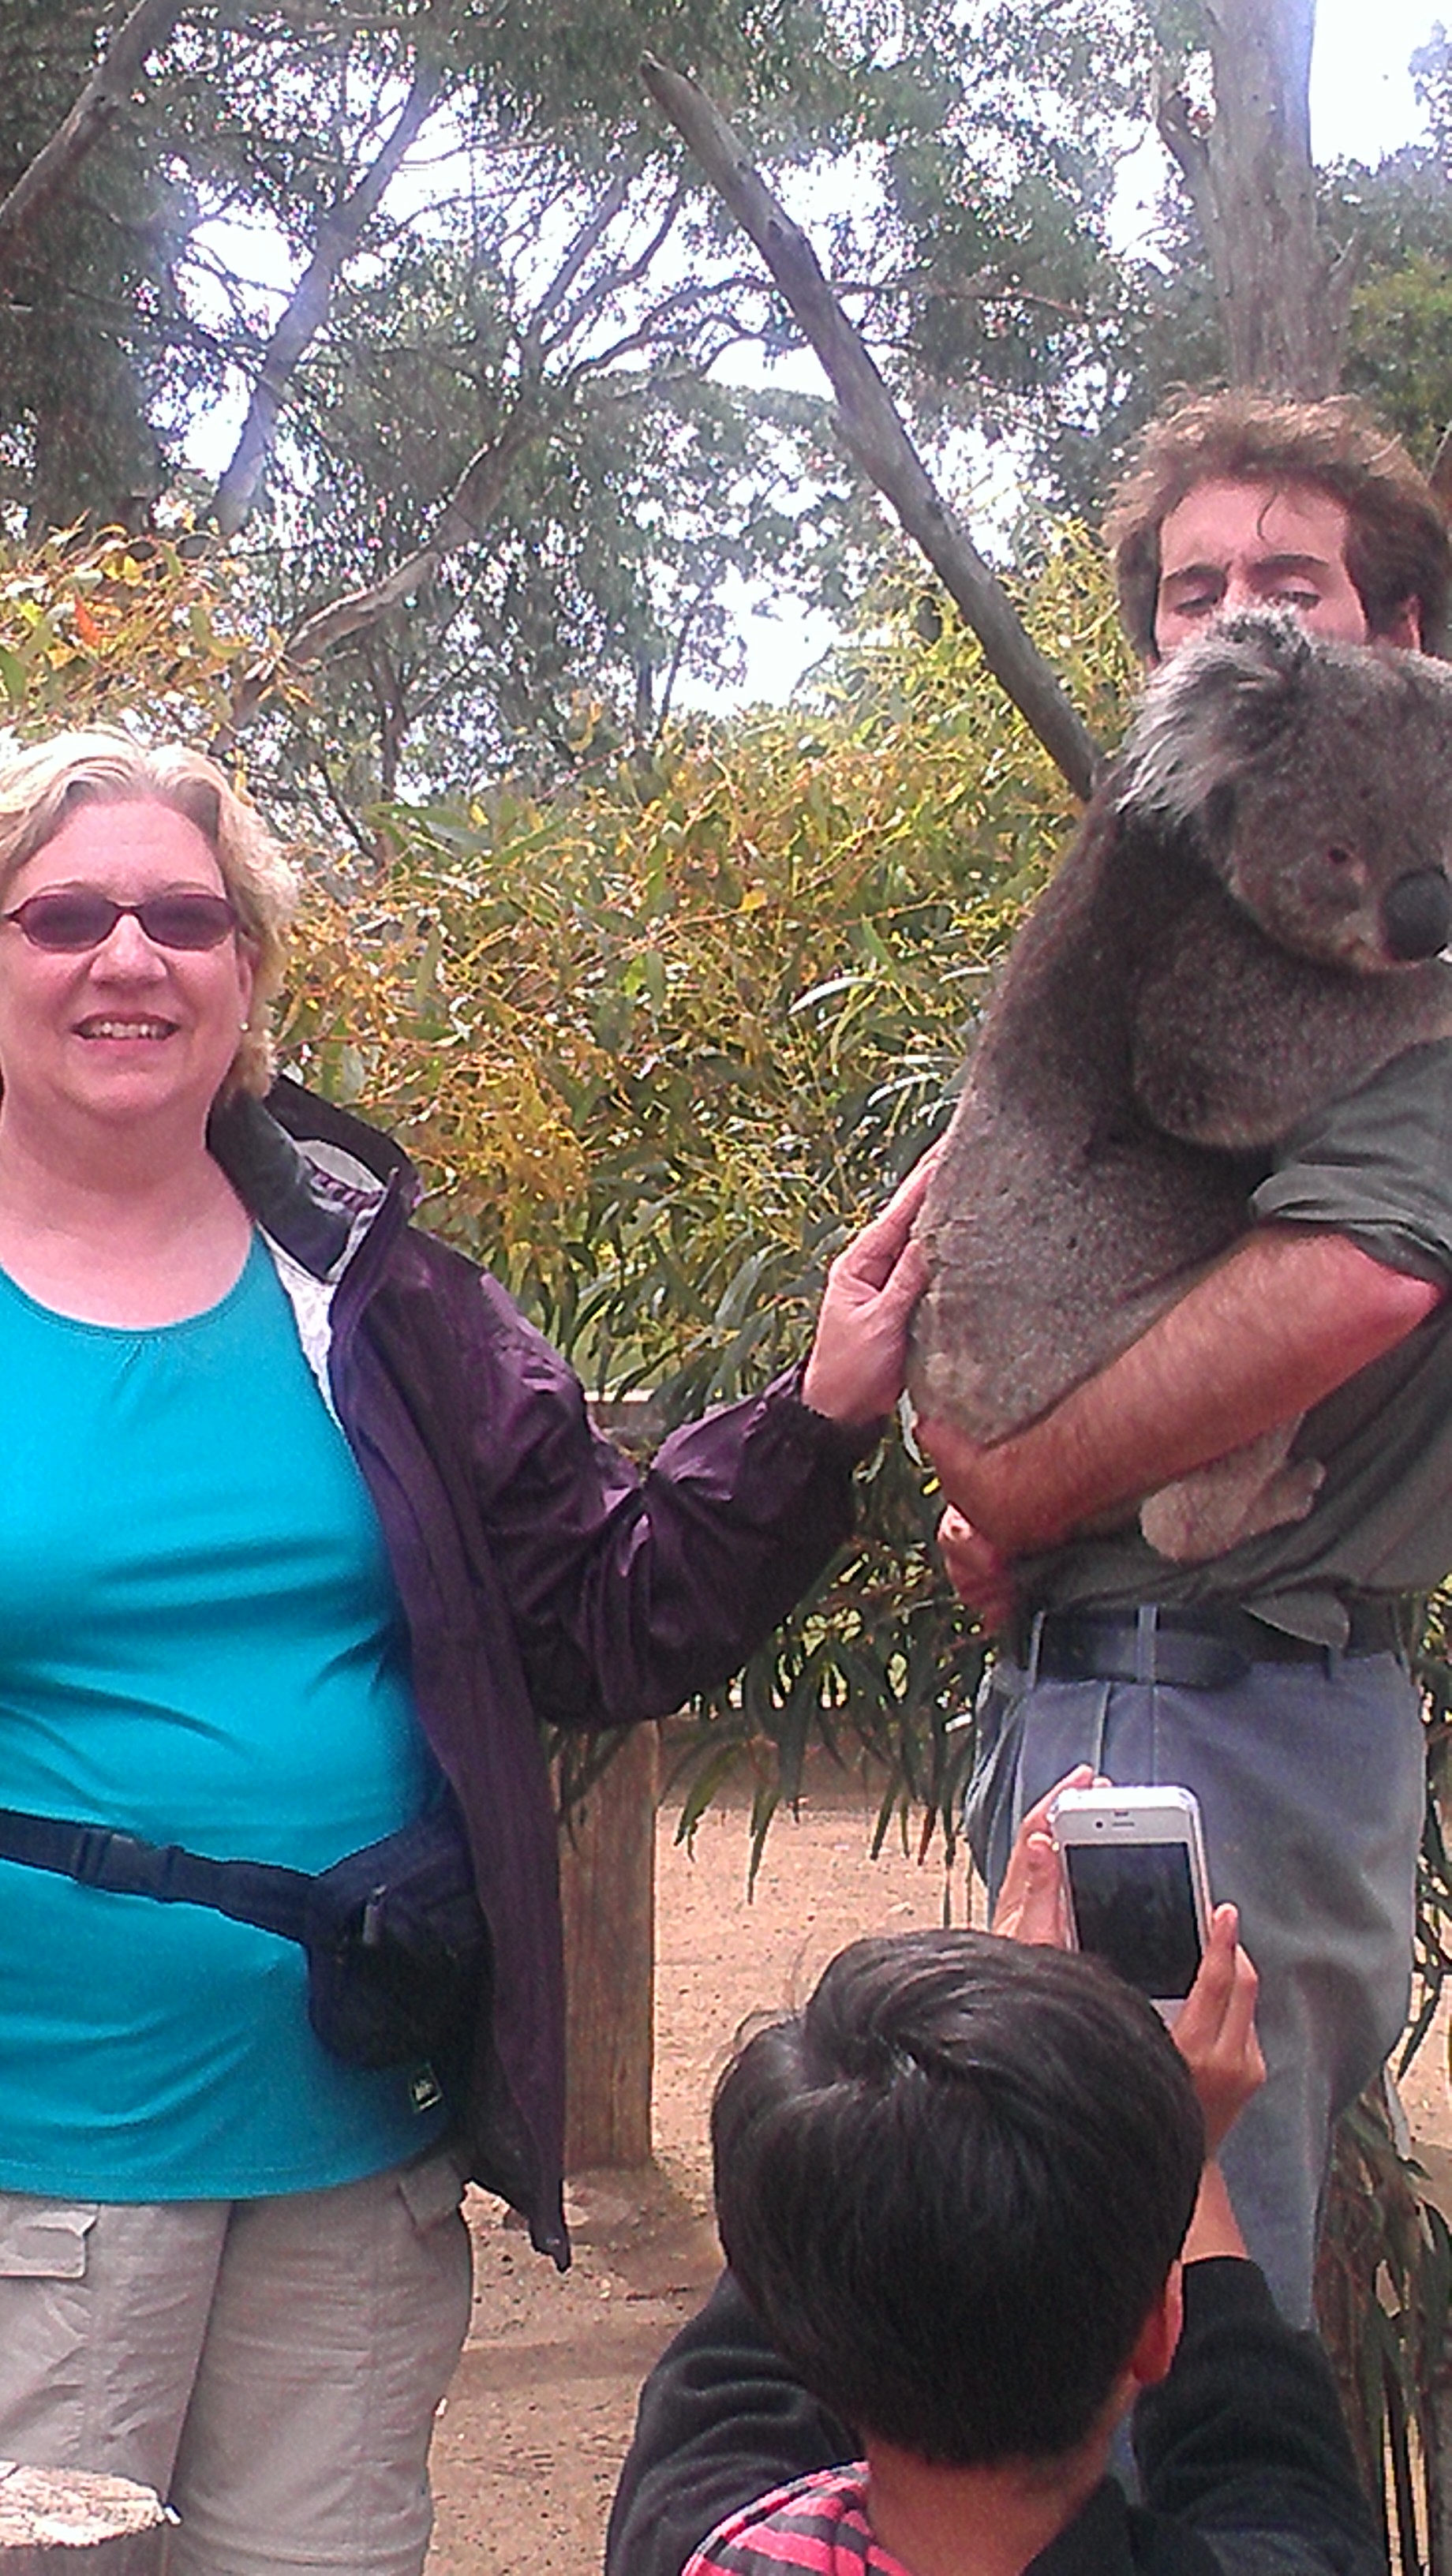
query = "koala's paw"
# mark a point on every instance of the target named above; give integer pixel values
(1207, 1513)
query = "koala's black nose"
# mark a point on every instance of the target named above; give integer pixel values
(1418, 914)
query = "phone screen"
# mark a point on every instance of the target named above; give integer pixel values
(1134, 1907)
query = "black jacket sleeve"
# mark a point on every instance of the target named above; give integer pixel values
(1242, 2445)
(721, 2420)
(1243, 2442)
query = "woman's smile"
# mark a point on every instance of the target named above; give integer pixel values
(127, 1028)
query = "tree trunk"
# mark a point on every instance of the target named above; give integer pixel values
(873, 431)
(1281, 289)
(607, 1886)
(54, 2518)
(106, 93)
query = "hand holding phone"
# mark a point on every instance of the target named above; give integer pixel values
(1137, 1886)
(1032, 1905)
(1216, 2032)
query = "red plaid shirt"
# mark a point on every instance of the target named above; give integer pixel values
(819, 2522)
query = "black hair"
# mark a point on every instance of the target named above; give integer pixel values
(953, 2186)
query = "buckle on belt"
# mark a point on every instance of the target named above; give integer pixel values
(115, 1861)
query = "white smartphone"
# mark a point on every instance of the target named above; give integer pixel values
(1137, 1884)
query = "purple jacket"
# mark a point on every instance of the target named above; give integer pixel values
(542, 1577)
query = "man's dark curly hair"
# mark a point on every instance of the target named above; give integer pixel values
(1397, 544)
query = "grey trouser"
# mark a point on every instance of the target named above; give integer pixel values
(1310, 1779)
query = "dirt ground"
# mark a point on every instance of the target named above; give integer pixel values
(541, 2408)
(540, 2412)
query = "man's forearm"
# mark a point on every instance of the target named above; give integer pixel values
(1284, 1320)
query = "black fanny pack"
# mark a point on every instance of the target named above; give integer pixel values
(396, 1944)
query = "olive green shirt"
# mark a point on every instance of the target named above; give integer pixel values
(1377, 1168)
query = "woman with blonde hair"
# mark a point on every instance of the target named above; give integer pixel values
(302, 1530)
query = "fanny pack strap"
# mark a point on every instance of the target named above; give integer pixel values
(286, 1901)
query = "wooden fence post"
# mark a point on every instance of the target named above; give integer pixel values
(607, 1886)
(47, 2515)
(607, 1890)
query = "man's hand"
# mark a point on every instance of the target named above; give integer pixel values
(1011, 1497)
(858, 1358)
(979, 1572)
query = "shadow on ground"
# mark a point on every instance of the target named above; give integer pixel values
(540, 2413)
(531, 2437)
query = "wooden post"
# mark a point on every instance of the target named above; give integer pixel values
(607, 1890)
(607, 1885)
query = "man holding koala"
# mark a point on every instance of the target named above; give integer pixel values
(1270, 1680)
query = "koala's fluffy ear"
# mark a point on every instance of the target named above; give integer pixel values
(1217, 704)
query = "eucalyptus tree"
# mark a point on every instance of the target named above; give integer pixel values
(503, 431)
(504, 443)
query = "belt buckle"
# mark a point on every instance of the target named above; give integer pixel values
(98, 1849)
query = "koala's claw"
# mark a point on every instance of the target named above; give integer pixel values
(1212, 1510)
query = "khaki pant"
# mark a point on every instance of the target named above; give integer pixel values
(271, 2366)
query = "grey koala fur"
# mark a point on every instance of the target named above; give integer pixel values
(1244, 930)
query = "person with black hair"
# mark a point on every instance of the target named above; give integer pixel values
(970, 2223)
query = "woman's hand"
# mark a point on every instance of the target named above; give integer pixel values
(859, 1355)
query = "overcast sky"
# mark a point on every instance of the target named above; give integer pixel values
(1361, 97)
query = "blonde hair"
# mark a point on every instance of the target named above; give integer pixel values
(40, 787)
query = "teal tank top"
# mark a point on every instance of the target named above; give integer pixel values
(200, 1642)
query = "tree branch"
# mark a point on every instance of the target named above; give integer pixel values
(873, 430)
(1185, 143)
(105, 94)
(588, 239)
(474, 498)
(307, 310)
(465, 513)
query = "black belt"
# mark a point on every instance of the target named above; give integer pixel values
(1206, 1648)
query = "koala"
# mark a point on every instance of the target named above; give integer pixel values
(1248, 926)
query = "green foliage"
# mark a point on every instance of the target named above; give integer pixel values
(665, 1015)
(1383, 2297)
(1400, 349)
(550, 287)
(89, 303)
(94, 627)
(533, 286)
(1399, 341)
(659, 1044)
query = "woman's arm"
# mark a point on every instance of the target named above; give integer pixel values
(630, 1592)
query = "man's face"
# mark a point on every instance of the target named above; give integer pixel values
(1261, 545)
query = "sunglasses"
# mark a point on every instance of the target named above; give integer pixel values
(74, 918)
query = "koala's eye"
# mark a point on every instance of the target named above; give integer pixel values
(1339, 858)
